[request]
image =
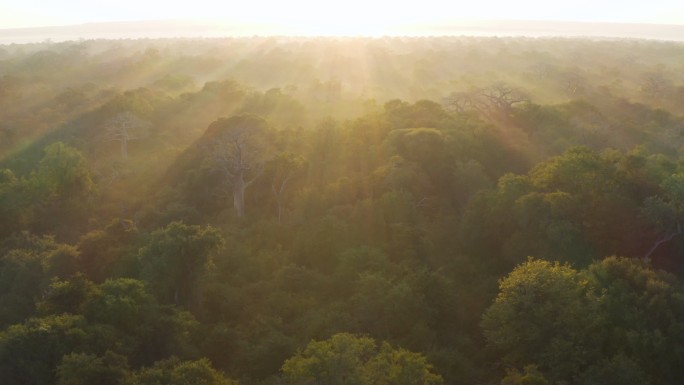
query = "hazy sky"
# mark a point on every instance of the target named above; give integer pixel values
(336, 14)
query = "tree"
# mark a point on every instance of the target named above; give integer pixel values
(123, 303)
(487, 223)
(665, 211)
(617, 370)
(149, 331)
(463, 101)
(63, 171)
(66, 296)
(282, 170)
(643, 314)
(616, 321)
(501, 97)
(494, 102)
(88, 369)
(29, 352)
(174, 259)
(345, 359)
(27, 264)
(398, 366)
(530, 376)
(427, 149)
(124, 127)
(10, 197)
(176, 372)
(390, 307)
(57, 191)
(238, 149)
(544, 314)
(104, 253)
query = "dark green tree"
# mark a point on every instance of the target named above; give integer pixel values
(176, 372)
(345, 359)
(150, 331)
(546, 315)
(175, 257)
(87, 369)
(30, 352)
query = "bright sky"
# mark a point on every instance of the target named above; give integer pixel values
(347, 14)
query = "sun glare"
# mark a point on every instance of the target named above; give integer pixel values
(341, 18)
(334, 28)
(351, 18)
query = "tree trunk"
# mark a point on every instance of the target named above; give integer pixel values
(239, 196)
(280, 211)
(278, 194)
(124, 148)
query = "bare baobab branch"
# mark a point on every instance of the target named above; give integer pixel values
(124, 127)
(238, 150)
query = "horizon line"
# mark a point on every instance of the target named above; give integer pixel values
(222, 27)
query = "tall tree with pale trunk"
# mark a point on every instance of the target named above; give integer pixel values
(238, 147)
(124, 127)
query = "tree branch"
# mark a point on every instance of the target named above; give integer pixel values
(664, 238)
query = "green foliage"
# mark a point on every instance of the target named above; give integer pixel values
(576, 207)
(66, 296)
(643, 310)
(530, 376)
(377, 207)
(226, 160)
(86, 369)
(22, 281)
(51, 196)
(174, 259)
(104, 253)
(391, 308)
(616, 370)
(399, 366)
(618, 319)
(126, 305)
(10, 196)
(123, 303)
(277, 106)
(154, 331)
(28, 263)
(348, 359)
(176, 372)
(29, 352)
(544, 314)
(63, 171)
(283, 175)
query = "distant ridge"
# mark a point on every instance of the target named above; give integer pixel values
(540, 28)
(211, 29)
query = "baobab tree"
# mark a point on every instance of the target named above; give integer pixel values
(464, 101)
(494, 102)
(282, 170)
(124, 127)
(238, 147)
(501, 97)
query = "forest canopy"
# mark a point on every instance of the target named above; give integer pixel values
(281, 210)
